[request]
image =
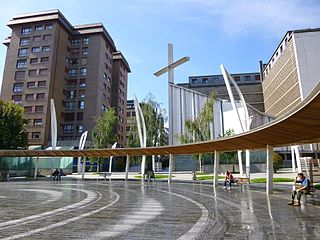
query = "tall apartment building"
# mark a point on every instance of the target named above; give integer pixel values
(77, 66)
(292, 71)
(249, 84)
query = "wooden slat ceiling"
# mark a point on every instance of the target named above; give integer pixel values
(300, 125)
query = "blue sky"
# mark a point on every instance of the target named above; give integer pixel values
(236, 33)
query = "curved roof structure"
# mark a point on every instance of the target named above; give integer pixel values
(301, 125)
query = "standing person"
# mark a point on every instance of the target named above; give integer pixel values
(228, 179)
(304, 189)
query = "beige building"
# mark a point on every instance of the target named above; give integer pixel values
(292, 71)
(78, 66)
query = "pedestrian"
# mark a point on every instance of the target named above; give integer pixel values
(298, 191)
(228, 179)
(55, 175)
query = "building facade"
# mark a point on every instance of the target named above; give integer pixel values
(77, 66)
(131, 117)
(249, 84)
(292, 71)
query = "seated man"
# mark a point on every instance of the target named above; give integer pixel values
(55, 175)
(304, 189)
(228, 179)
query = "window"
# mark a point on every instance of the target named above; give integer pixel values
(44, 60)
(36, 49)
(85, 50)
(133, 114)
(19, 75)
(128, 128)
(35, 135)
(37, 38)
(31, 84)
(24, 41)
(39, 109)
(82, 94)
(83, 71)
(237, 78)
(23, 52)
(48, 27)
(38, 28)
(75, 42)
(80, 116)
(40, 96)
(47, 37)
(103, 108)
(205, 80)
(37, 121)
(28, 109)
(21, 63)
(257, 77)
(194, 80)
(69, 116)
(104, 85)
(128, 114)
(29, 97)
(247, 78)
(70, 105)
(68, 128)
(43, 72)
(32, 73)
(85, 41)
(81, 104)
(41, 83)
(25, 30)
(105, 76)
(46, 49)
(80, 128)
(82, 82)
(71, 94)
(74, 51)
(17, 99)
(73, 71)
(34, 60)
(17, 87)
(73, 62)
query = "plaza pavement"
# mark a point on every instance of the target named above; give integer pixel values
(116, 209)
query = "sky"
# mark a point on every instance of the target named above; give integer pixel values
(236, 33)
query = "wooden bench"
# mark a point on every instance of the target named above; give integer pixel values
(243, 180)
(105, 175)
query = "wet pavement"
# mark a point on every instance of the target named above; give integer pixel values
(135, 210)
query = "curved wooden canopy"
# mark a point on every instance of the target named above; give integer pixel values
(300, 125)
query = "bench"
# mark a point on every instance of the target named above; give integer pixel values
(305, 195)
(105, 175)
(243, 180)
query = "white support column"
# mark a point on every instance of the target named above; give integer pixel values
(170, 167)
(240, 162)
(127, 167)
(296, 150)
(215, 168)
(248, 164)
(36, 169)
(269, 188)
(153, 163)
(83, 167)
(293, 159)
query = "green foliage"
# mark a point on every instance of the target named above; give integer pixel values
(277, 162)
(12, 126)
(157, 176)
(229, 157)
(208, 177)
(103, 134)
(154, 117)
(264, 180)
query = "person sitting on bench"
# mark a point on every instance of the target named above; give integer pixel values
(304, 189)
(228, 179)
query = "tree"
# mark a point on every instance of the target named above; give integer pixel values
(12, 126)
(199, 129)
(103, 134)
(155, 117)
(277, 162)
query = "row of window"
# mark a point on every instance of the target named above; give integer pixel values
(31, 109)
(24, 41)
(75, 71)
(72, 94)
(69, 128)
(72, 83)
(73, 62)
(70, 116)
(129, 114)
(28, 30)
(22, 52)
(22, 63)
(35, 122)
(18, 87)
(77, 41)
(72, 105)
(76, 51)
(28, 97)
